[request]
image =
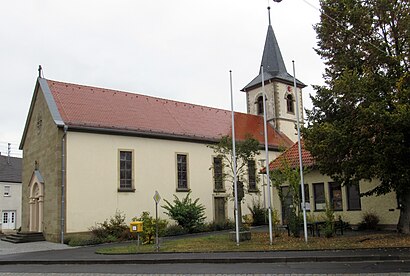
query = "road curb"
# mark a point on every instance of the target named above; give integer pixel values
(214, 260)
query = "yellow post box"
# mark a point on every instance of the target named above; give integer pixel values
(136, 227)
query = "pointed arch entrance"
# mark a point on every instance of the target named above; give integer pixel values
(36, 200)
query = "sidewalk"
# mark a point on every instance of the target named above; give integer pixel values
(86, 255)
(53, 253)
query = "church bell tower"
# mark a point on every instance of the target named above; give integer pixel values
(278, 86)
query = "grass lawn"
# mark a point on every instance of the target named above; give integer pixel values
(260, 242)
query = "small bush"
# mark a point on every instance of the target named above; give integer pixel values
(187, 213)
(110, 230)
(219, 226)
(370, 221)
(82, 241)
(294, 222)
(329, 221)
(149, 227)
(259, 214)
(175, 230)
(275, 222)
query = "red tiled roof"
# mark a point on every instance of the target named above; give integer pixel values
(291, 158)
(85, 106)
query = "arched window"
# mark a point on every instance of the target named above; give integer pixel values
(289, 104)
(259, 107)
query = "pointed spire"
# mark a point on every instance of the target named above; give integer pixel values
(272, 60)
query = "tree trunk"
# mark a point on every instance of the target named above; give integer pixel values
(240, 214)
(403, 225)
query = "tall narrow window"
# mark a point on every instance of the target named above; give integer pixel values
(218, 175)
(319, 196)
(252, 176)
(126, 171)
(353, 197)
(259, 105)
(335, 190)
(182, 172)
(307, 198)
(289, 104)
(6, 191)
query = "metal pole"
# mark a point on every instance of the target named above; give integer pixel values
(267, 158)
(302, 185)
(234, 165)
(156, 227)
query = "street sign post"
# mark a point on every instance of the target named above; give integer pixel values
(157, 198)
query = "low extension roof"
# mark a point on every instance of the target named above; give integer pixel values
(290, 158)
(10, 169)
(98, 109)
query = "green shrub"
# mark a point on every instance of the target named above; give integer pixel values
(329, 228)
(275, 223)
(175, 230)
(294, 222)
(370, 221)
(149, 227)
(111, 229)
(187, 213)
(219, 226)
(82, 241)
(259, 214)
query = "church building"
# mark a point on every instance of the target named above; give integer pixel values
(89, 152)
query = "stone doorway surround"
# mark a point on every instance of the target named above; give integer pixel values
(36, 201)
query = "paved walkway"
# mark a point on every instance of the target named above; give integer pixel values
(55, 253)
(50, 253)
(7, 248)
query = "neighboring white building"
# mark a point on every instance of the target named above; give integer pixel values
(345, 201)
(10, 193)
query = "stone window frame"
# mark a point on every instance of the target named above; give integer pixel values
(315, 197)
(349, 199)
(259, 104)
(180, 188)
(336, 202)
(221, 186)
(252, 179)
(132, 187)
(290, 103)
(307, 197)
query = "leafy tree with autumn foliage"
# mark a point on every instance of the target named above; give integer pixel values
(359, 127)
(246, 150)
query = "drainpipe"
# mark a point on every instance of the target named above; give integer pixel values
(63, 153)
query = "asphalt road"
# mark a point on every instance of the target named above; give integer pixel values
(329, 268)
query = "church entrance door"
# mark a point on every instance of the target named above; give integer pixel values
(220, 209)
(36, 201)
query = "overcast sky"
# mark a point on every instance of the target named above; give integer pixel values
(180, 50)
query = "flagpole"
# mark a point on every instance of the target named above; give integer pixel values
(302, 185)
(267, 158)
(234, 164)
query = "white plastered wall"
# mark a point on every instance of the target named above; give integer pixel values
(92, 177)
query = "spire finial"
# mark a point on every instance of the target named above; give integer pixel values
(40, 69)
(269, 15)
